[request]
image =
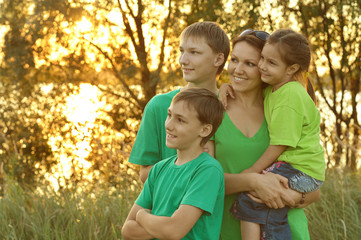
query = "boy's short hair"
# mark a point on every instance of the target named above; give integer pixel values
(207, 105)
(214, 35)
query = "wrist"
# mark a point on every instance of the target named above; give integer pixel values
(303, 198)
(302, 201)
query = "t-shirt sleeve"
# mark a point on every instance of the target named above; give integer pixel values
(285, 127)
(206, 186)
(146, 147)
(145, 198)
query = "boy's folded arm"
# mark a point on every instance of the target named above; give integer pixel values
(131, 229)
(174, 227)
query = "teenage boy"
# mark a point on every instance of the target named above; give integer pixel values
(204, 48)
(183, 195)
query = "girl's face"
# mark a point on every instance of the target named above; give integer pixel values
(242, 68)
(274, 70)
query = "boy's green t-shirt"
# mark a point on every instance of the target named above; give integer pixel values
(236, 152)
(199, 183)
(293, 120)
(149, 146)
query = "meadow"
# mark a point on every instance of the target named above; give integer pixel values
(42, 214)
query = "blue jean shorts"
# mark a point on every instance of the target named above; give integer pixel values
(274, 222)
(297, 180)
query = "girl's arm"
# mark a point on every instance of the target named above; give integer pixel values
(268, 157)
(131, 229)
(174, 227)
(270, 187)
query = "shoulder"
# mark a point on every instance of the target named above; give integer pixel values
(161, 101)
(206, 161)
(163, 164)
(165, 96)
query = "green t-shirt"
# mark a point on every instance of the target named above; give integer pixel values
(199, 183)
(236, 152)
(149, 146)
(293, 120)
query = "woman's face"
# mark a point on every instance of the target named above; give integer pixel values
(243, 68)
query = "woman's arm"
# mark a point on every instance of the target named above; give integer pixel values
(297, 197)
(174, 227)
(269, 187)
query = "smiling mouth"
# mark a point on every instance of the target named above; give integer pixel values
(187, 69)
(170, 136)
(238, 79)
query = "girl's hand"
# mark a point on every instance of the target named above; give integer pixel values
(225, 91)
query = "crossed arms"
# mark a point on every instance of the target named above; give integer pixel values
(141, 224)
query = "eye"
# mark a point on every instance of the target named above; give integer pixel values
(194, 52)
(234, 60)
(169, 115)
(180, 120)
(251, 64)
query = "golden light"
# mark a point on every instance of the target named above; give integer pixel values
(84, 25)
(82, 110)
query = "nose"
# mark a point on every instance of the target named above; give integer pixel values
(183, 59)
(239, 69)
(168, 123)
(260, 64)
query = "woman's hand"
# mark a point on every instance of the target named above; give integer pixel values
(270, 189)
(289, 197)
(225, 91)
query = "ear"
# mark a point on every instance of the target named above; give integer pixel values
(206, 130)
(291, 70)
(219, 60)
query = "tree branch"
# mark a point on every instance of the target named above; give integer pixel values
(117, 75)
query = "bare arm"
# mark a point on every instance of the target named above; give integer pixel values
(269, 188)
(269, 156)
(225, 91)
(295, 196)
(174, 227)
(131, 229)
(144, 171)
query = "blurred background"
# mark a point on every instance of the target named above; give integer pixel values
(75, 76)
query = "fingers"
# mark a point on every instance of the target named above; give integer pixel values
(255, 199)
(225, 91)
(230, 91)
(275, 203)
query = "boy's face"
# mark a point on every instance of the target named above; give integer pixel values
(183, 128)
(198, 61)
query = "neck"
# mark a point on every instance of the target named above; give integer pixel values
(210, 85)
(188, 155)
(250, 99)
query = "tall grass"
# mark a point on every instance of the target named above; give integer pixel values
(26, 214)
(338, 214)
(33, 215)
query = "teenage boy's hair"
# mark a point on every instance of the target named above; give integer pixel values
(209, 109)
(214, 35)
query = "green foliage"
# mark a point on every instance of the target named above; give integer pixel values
(24, 150)
(338, 214)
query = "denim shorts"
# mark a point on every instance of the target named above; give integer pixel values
(297, 180)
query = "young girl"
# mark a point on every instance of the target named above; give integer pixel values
(294, 127)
